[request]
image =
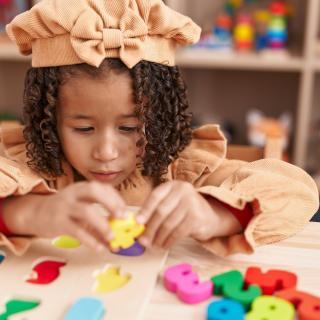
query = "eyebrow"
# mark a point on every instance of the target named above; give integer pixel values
(132, 115)
(84, 117)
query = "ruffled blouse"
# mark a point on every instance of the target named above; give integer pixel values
(283, 196)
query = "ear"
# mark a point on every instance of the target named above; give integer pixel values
(286, 120)
(254, 117)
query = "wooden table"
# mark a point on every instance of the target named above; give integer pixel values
(299, 254)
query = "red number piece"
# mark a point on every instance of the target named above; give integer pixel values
(271, 281)
(45, 272)
(307, 305)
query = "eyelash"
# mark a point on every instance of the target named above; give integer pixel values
(122, 128)
(128, 129)
(85, 129)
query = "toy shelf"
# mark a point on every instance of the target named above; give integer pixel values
(205, 58)
(231, 84)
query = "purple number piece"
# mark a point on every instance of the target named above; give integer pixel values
(134, 251)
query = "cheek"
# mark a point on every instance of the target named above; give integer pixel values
(73, 148)
(130, 146)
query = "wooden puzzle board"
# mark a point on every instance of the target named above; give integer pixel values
(76, 281)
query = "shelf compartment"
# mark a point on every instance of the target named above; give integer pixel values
(204, 58)
(9, 52)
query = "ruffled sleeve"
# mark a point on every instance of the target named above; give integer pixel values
(202, 157)
(16, 178)
(283, 196)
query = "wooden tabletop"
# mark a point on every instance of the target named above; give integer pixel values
(299, 254)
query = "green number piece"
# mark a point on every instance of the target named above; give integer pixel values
(233, 277)
(230, 285)
(16, 306)
(271, 308)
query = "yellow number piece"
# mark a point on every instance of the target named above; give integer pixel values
(125, 232)
(66, 242)
(109, 279)
(271, 308)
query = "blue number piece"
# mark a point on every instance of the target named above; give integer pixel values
(86, 308)
(225, 309)
(2, 256)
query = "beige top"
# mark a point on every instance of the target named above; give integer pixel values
(284, 197)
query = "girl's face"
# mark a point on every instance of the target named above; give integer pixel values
(98, 128)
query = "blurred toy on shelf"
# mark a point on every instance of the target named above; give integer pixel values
(9, 9)
(222, 28)
(248, 25)
(220, 37)
(261, 128)
(232, 5)
(262, 18)
(244, 32)
(277, 28)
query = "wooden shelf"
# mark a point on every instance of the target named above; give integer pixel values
(305, 65)
(9, 52)
(205, 58)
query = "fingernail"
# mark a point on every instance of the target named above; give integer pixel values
(110, 236)
(144, 241)
(140, 219)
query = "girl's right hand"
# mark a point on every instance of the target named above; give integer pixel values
(72, 212)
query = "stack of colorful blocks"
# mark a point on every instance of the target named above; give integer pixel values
(256, 296)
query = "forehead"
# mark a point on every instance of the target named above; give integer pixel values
(87, 94)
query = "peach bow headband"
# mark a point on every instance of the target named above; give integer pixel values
(59, 32)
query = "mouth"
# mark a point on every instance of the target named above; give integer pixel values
(106, 175)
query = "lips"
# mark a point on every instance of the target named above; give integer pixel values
(106, 175)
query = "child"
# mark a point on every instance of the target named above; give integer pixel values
(106, 122)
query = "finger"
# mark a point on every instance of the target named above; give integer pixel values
(165, 209)
(153, 202)
(106, 195)
(181, 232)
(170, 225)
(85, 237)
(97, 223)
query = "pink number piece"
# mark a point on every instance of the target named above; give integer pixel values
(181, 280)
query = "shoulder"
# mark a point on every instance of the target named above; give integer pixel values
(205, 153)
(13, 152)
(12, 142)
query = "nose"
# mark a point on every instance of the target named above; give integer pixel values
(106, 147)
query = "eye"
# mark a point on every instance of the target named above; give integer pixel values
(128, 128)
(83, 129)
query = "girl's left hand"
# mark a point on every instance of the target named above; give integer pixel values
(173, 211)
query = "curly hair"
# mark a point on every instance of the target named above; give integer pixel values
(161, 104)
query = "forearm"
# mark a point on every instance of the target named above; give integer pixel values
(227, 224)
(18, 212)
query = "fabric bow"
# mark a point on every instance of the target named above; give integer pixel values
(91, 42)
